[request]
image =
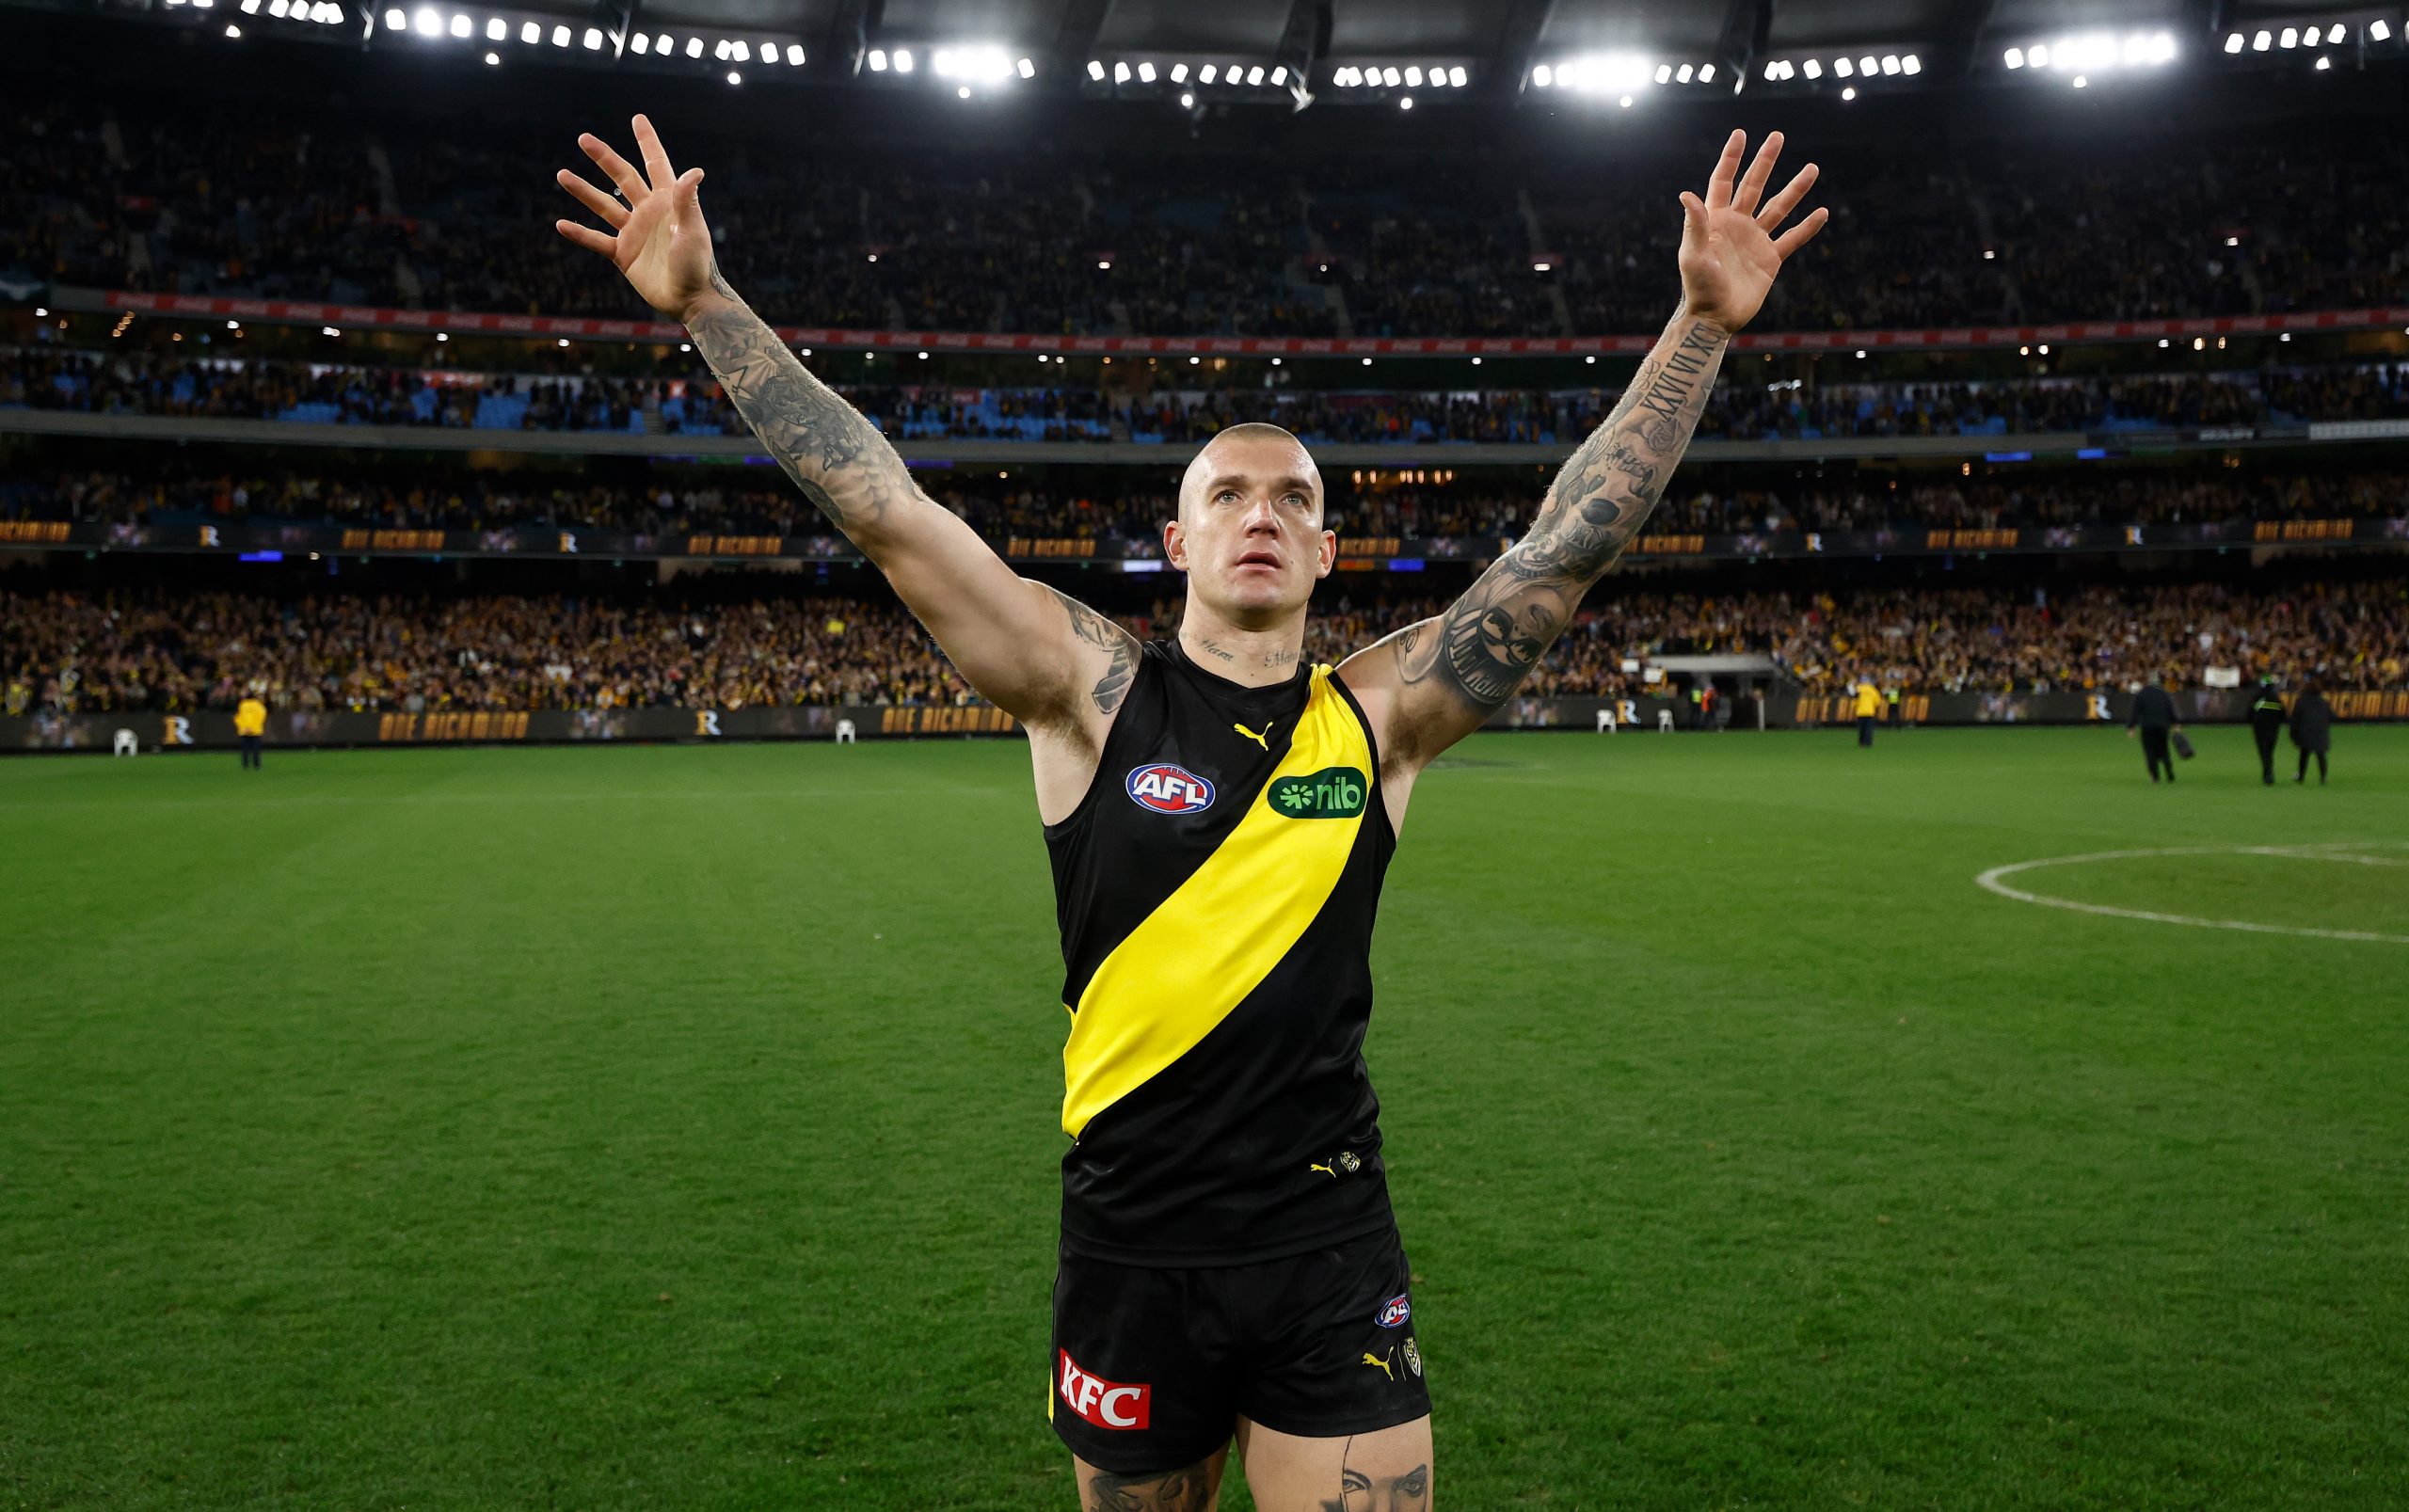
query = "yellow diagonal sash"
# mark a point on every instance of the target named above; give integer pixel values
(1191, 961)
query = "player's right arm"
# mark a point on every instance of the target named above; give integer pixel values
(1049, 661)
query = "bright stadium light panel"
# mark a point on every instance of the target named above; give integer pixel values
(1458, 76)
(903, 60)
(1207, 73)
(2324, 63)
(2335, 32)
(1254, 74)
(1706, 73)
(1891, 63)
(640, 45)
(1542, 76)
(2259, 39)
(2014, 58)
(877, 60)
(1179, 74)
(1412, 75)
(1280, 76)
(427, 23)
(1146, 74)
(2234, 41)
(1843, 66)
(460, 26)
(1119, 72)
(2379, 29)
(593, 43)
(794, 55)
(560, 35)
(497, 30)
(2289, 39)
(1812, 68)
(694, 47)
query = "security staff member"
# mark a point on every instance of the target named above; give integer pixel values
(2312, 730)
(250, 722)
(1868, 708)
(2266, 723)
(2154, 719)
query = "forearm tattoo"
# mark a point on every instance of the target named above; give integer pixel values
(1094, 629)
(1182, 1490)
(844, 465)
(1487, 642)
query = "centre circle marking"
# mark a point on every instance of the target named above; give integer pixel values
(2346, 851)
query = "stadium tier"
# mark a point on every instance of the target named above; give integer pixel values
(135, 382)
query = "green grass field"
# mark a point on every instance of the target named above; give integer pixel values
(676, 1127)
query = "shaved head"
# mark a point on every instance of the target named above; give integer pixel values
(1253, 439)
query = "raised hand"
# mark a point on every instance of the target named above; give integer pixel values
(656, 236)
(1729, 253)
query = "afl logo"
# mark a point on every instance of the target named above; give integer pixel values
(1170, 789)
(1394, 1312)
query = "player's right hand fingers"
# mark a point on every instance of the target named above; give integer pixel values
(622, 173)
(613, 213)
(656, 157)
(588, 237)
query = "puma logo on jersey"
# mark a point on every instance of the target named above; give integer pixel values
(1387, 1363)
(1325, 1171)
(1264, 740)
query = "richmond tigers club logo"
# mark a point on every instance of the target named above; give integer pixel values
(1169, 788)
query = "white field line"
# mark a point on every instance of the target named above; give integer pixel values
(1993, 880)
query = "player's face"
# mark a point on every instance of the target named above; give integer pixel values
(1248, 534)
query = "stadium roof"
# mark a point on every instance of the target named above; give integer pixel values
(1271, 51)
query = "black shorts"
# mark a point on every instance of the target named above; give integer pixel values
(1152, 1368)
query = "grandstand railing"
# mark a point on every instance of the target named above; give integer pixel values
(294, 312)
(2009, 447)
(271, 541)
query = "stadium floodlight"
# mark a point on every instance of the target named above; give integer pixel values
(1705, 75)
(694, 47)
(2038, 57)
(2379, 29)
(1412, 75)
(2335, 32)
(593, 43)
(961, 92)
(1026, 68)
(1187, 101)
(794, 55)
(1254, 74)
(530, 33)
(2324, 63)
(903, 60)
(1626, 101)
(560, 35)
(493, 59)
(1773, 71)
(1849, 94)
(1405, 102)
(1207, 73)
(1664, 74)
(1179, 74)
(233, 31)
(1542, 76)
(277, 8)
(2233, 41)
(251, 8)
(460, 26)
(1847, 70)
(2260, 38)
(427, 23)
(328, 330)
(1280, 76)
(1681, 74)
(2290, 38)
(1119, 72)
(1867, 64)
(1392, 77)
(1145, 73)
(496, 29)
(733, 77)
(1104, 265)
(1911, 65)
(721, 49)
(1814, 69)
(1095, 69)
(1460, 76)
(2082, 81)
(878, 62)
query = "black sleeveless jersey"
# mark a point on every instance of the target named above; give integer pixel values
(1216, 887)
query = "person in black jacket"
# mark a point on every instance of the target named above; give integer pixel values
(2266, 723)
(2154, 719)
(2312, 730)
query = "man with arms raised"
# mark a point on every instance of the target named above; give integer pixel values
(1220, 815)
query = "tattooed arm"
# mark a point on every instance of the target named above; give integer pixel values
(1051, 661)
(1434, 682)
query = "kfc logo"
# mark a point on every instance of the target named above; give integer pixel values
(1106, 1404)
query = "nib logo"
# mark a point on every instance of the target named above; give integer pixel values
(1106, 1404)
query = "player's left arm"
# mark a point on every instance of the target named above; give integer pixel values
(1437, 680)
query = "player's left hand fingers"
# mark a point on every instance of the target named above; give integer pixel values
(1800, 234)
(1752, 184)
(613, 213)
(1778, 209)
(1719, 184)
(656, 157)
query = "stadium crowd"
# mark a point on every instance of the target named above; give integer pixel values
(143, 383)
(257, 197)
(1102, 506)
(70, 652)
